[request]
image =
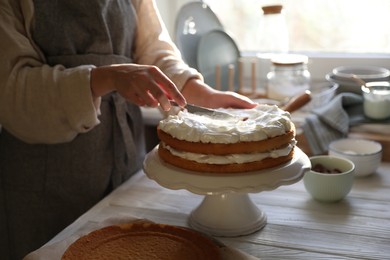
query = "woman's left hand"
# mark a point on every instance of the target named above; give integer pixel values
(197, 92)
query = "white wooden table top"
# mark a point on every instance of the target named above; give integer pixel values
(298, 227)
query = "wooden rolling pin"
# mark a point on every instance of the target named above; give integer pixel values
(297, 102)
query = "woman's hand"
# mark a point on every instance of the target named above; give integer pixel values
(142, 85)
(197, 92)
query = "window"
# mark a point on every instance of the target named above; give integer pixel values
(324, 26)
(331, 32)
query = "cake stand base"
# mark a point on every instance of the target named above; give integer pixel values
(226, 209)
(227, 215)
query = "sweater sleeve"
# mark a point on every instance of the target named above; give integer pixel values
(154, 46)
(39, 103)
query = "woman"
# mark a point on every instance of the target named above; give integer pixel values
(73, 75)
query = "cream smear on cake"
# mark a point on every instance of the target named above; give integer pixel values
(256, 124)
(232, 158)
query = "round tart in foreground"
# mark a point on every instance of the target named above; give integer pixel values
(140, 241)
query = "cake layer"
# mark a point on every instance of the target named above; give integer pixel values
(248, 125)
(191, 165)
(231, 158)
(229, 148)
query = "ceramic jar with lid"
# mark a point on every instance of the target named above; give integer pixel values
(289, 76)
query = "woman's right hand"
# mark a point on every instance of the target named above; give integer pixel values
(143, 85)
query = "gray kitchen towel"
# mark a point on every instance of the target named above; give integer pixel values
(333, 121)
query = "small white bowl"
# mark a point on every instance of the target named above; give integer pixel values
(329, 187)
(365, 154)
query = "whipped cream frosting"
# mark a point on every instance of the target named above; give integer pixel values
(231, 158)
(256, 124)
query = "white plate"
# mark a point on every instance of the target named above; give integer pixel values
(217, 48)
(193, 20)
(216, 183)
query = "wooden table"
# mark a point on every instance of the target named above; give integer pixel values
(298, 227)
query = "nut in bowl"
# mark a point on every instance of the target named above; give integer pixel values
(365, 154)
(330, 178)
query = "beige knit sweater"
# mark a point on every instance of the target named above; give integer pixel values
(44, 104)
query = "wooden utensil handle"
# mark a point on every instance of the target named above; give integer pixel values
(297, 102)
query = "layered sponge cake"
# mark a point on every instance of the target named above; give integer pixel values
(250, 140)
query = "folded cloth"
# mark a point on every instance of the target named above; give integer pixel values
(333, 121)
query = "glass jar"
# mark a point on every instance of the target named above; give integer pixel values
(376, 103)
(289, 76)
(273, 32)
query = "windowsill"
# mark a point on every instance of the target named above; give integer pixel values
(321, 64)
(364, 56)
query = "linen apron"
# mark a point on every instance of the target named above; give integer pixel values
(43, 188)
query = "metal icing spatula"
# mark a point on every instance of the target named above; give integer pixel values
(193, 109)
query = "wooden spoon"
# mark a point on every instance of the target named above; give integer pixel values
(358, 80)
(297, 102)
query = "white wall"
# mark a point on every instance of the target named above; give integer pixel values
(168, 10)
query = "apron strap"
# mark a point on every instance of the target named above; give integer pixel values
(122, 141)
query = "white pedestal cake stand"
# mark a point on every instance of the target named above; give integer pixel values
(226, 209)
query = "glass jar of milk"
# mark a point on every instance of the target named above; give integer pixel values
(376, 103)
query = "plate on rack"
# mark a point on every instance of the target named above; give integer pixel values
(218, 48)
(193, 20)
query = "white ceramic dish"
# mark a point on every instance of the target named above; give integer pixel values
(217, 48)
(329, 187)
(364, 72)
(343, 76)
(193, 20)
(365, 154)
